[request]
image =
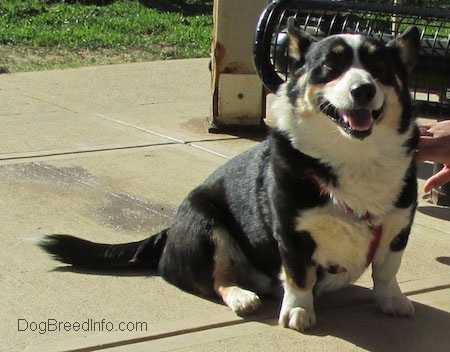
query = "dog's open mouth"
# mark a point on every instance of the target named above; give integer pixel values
(356, 122)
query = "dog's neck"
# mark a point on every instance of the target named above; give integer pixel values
(359, 167)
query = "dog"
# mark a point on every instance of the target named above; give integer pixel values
(330, 191)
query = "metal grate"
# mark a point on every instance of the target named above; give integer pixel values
(430, 81)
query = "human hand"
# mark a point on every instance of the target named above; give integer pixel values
(438, 179)
(434, 145)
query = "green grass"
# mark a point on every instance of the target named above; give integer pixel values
(36, 34)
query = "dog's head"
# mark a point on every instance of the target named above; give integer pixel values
(352, 80)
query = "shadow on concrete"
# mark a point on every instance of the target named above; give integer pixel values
(437, 212)
(443, 260)
(131, 272)
(424, 170)
(351, 314)
(372, 331)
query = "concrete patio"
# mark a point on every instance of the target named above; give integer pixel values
(108, 153)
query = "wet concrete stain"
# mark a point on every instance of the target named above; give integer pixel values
(113, 209)
(125, 212)
(70, 178)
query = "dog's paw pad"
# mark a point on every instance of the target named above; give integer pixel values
(399, 306)
(298, 319)
(242, 301)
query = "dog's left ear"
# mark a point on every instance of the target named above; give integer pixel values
(408, 46)
(299, 42)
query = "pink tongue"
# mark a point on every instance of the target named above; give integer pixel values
(358, 119)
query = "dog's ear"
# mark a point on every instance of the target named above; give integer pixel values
(408, 46)
(299, 42)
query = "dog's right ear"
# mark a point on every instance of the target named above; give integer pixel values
(299, 42)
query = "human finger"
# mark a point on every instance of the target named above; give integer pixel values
(438, 179)
(424, 130)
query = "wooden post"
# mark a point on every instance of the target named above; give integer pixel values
(238, 98)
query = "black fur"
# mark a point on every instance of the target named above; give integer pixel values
(255, 201)
(270, 181)
(399, 243)
(99, 256)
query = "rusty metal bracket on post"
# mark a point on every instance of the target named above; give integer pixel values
(238, 96)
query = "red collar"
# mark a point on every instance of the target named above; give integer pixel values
(377, 230)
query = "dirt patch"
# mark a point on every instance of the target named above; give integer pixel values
(19, 59)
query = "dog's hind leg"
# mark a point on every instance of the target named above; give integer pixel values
(228, 260)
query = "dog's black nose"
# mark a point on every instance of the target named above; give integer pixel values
(363, 93)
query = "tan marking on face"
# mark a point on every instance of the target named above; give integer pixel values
(330, 85)
(302, 79)
(392, 108)
(307, 104)
(372, 49)
(338, 49)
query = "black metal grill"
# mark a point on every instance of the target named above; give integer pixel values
(383, 19)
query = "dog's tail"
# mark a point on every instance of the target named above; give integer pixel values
(85, 254)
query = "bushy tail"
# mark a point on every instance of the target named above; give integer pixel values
(85, 254)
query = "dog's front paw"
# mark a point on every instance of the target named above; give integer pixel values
(297, 318)
(398, 305)
(242, 301)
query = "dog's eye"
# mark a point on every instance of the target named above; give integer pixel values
(332, 67)
(378, 68)
(376, 60)
(329, 65)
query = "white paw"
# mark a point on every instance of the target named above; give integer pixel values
(242, 301)
(398, 305)
(297, 318)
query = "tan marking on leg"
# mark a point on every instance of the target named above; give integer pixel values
(223, 275)
(223, 279)
(311, 278)
(297, 308)
(241, 301)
